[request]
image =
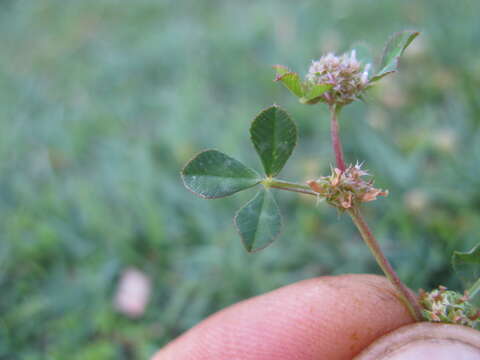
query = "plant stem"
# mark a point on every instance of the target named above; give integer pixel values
(406, 295)
(289, 186)
(474, 289)
(282, 183)
(308, 192)
(334, 132)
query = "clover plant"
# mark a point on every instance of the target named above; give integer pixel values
(334, 81)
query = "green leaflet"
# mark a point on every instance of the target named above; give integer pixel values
(394, 48)
(292, 82)
(312, 95)
(213, 174)
(259, 221)
(274, 136)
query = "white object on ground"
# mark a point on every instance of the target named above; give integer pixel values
(133, 293)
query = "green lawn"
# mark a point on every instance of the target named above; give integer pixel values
(103, 101)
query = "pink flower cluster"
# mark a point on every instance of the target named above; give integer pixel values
(345, 73)
(346, 189)
(447, 306)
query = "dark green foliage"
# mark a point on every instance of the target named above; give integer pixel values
(212, 174)
(259, 221)
(274, 136)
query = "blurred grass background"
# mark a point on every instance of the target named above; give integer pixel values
(102, 102)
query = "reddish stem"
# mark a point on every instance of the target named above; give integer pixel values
(337, 145)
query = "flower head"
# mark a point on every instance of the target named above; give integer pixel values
(346, 189)
(447, 306)
(348, 77)
(339, 80)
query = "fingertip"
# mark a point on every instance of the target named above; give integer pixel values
(328, 317)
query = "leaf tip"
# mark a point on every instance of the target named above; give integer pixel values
(280, 71)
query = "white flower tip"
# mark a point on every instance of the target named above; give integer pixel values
(365, 73)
